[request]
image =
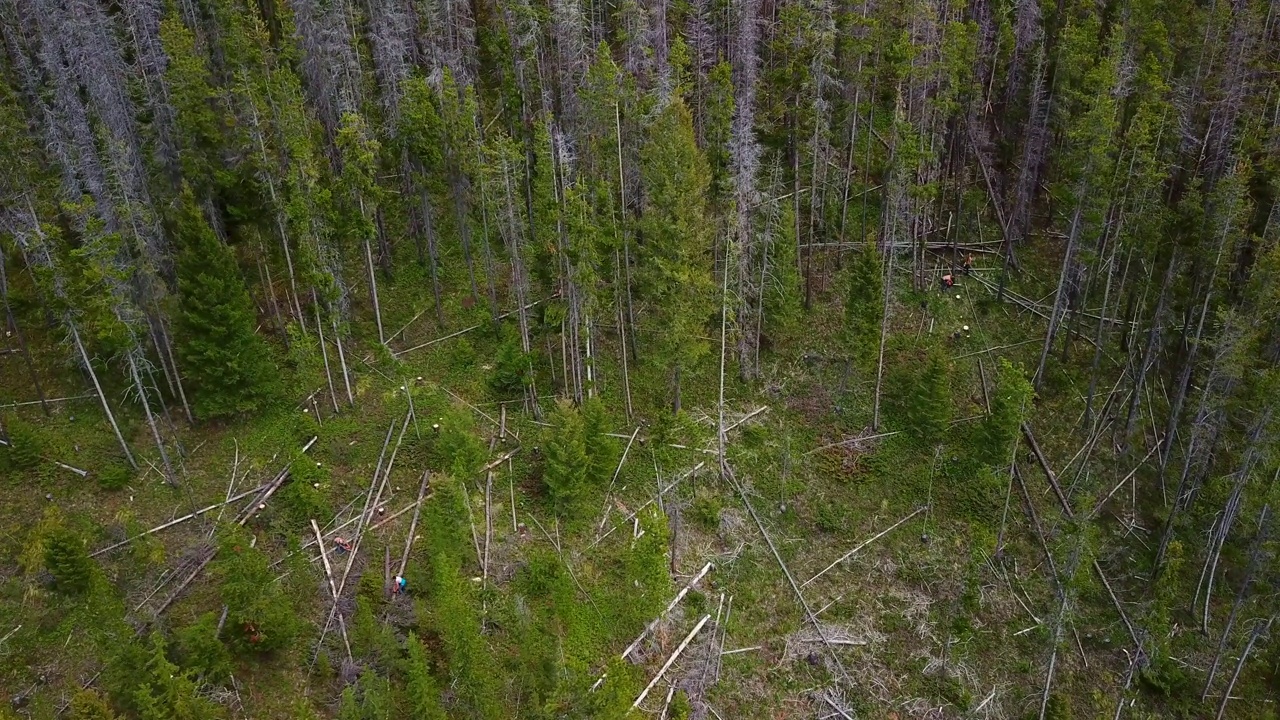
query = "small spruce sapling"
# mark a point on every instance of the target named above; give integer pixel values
(67, 560)
(567, 465)
(25, 445)
(1010, 401)
(925, 398)
(200, 650)
(89, 705)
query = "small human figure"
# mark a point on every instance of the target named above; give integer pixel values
(968, 263)
(948, 281)
(342, 545)
(398, 586)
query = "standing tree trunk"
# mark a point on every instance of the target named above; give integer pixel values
(151, 421)
(1148, 354)
(324, 352)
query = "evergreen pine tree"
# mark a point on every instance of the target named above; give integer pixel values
(864, 305)
(924, 397)
(260, 616)
(168, 692)
(202, 652)
(675, 262)
(25, 446)
(601, 449)
(67, 560)
(1010, 401)
(422, 692)
(567, 463)
(228, 367)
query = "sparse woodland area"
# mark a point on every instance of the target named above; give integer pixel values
(687, 359)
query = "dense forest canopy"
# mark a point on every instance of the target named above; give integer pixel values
(648, 310)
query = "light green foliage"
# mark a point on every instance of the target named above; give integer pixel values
(644, 567)
(783, 308)
(67, 560)
(115, 476)
(444, 522)
(25, 445)
(260, 616)
(602, 450)
(675, 264)
(300, 500)
(193, 96)
(460, 450)
(567, 465)
(227, 366)
(89, 705)
(1010, 404)
(201, 652)
(357, 184)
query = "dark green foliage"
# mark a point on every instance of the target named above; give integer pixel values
(370, 639)
(920, 391)
(67, 560)
(452, 616)
(201, 652)
(704, 511)
(864, 304)
(421, 690)
(115, 476)
(369, 699)
(260, 616)
(167, 692)
(1010, 403)
(511, 369)
(25, 445)
(227, 366)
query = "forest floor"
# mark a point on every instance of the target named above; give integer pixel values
(922, 621)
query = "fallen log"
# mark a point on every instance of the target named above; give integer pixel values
(177, 521)
(670, 661)
(670, 606)
(865, 543)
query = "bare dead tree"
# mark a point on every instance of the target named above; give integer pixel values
(1255, 560)
(390, 40)
(740, 250)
